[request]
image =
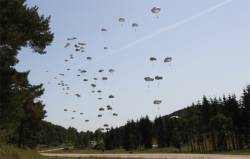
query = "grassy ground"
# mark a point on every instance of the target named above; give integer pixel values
(155, 150)
(11, 152)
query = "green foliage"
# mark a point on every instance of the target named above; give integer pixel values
(21, 111)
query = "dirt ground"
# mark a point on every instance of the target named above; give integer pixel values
(153, 156)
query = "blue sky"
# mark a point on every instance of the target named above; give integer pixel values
(210, 56)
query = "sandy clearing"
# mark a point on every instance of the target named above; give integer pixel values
(153, 156)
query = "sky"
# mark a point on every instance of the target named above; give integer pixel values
(208, 40)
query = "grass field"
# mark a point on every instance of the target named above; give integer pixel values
(11, 152)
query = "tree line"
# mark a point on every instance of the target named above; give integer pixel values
(215, 124)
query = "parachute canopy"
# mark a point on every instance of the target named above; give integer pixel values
(104, 29)
(155, 9)
(168, 59)
(148, 79)
(157, 101)
(152, 59)
(121, 19)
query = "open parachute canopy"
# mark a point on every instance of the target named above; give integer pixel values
(156, 10)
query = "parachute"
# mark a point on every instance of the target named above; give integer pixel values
(78, 95)
(104, 29)
(148, 79)
(101, 70)
(72, 38)
(156, 10)
(158, 77)
(121, 20)
(157, 102)
(106, 125)
(168, 59)
(111, 96)
(66, 45)
(111, 70)
(89, 58)
(109, 107)
(152, 59)
(134, 25)
(82, 44)
(101, 109)
(104, 78)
